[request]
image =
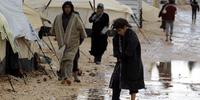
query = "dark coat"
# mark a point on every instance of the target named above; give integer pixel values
(98, 40)
(195, 6)
(161, 14)
(170, 12)
(129, 68)
(100, 24)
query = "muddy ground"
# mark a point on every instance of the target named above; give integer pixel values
(180, 80)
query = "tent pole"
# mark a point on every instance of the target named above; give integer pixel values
(134, 19)
(47, 45)
(33, 55)
(9, 79)
(47, 5)
(45, 58)
(91, 6)
(20, 69)
(94, 6)
(52, 46)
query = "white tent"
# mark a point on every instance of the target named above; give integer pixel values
(150, 13)
(112, 7)
(17, 21)
(5, 33)
(33, 17)
(15, 28)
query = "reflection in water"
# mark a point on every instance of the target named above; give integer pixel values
(164, 69)
(175, 71)
(164, 81)
(191, 65)
(94, 94)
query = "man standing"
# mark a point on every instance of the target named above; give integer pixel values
(69, 30)
(170, 12)
(100, 21)
(195, 8)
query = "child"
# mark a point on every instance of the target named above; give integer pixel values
(128, 72)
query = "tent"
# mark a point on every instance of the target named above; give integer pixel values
(5, 33)
(112, 7)
(16, 31)
(33, 17)
(150, 13)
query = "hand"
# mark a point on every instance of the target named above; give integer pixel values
(94, 17)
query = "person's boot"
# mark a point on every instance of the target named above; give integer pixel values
(166, 38)
(98, 62)
(80, 72)
(59, 75)
(66, 82)
(170, 37)
(76, 79)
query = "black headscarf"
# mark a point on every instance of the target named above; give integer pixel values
(120, 23)
(68, 3)
(66, 17)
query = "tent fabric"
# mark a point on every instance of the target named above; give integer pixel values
(109, 4)
(17, 21)
(32, 16)
(5, 33)
(150, 13)
(112, 7)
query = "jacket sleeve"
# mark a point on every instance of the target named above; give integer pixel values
(131, 43)
(52, 31)
(107, 20)
(91, 19)
(116, 52)
(81, 28)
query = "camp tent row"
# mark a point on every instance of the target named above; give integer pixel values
(114, 8)
(16, 30)
(18, 26)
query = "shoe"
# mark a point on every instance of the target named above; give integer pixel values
(80, 72)
(77, 80)
(98, 62)
(66, 82)
(59, 75)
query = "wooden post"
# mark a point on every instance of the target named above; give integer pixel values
(94, 5)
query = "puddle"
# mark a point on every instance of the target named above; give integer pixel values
(185, 72)
(175, 80)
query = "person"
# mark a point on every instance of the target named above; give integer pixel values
(76, 71)
(69, 30)
(128, 72)
(195, 8)
(100, 21)
(170, 12)
(162, 15)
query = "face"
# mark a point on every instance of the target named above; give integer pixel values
(99, 10)
(121, 31)
(67, 9)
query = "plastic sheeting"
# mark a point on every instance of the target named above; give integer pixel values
(17, 21)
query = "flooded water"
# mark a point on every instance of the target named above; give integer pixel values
(175, 80)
